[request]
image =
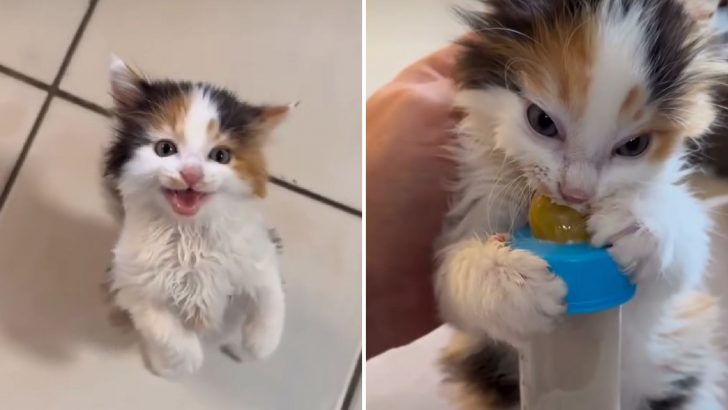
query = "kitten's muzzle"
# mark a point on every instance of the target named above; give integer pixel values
(191, 175)
(573, 196)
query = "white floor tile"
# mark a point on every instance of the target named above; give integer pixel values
(275, 51)
(60, 353)
(19, 106)
(35, 34)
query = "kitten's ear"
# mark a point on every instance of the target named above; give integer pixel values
(701, 10)
(126, 84)
(270, 117)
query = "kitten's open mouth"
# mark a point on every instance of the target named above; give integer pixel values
(185, 202)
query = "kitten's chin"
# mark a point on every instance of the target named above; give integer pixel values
(185, 202)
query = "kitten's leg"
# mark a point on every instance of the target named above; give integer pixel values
(264, 324)
(481, 374)
(489, 288)
(170, 348)
(660, 236)
(688, 353)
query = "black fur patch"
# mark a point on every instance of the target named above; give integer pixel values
(236, 117)
(508, 21)
(712, 150)
(668, 52)
(677, 399)
(491, 370)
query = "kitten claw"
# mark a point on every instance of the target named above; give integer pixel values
(501, 237)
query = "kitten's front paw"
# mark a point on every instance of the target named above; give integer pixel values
(174, 359)
(632, 246)
(511, 294)
(534, 297)
(260, 341)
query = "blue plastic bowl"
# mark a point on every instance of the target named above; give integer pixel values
(594, 281)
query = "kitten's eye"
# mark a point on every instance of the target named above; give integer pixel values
(634, 147)
(165, 148)
(220, 154)
(541, 122)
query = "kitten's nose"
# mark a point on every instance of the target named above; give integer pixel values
(573, 195)
(191, 175)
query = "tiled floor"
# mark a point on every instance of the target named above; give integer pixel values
(58, 349)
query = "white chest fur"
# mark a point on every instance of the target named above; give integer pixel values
(195, 268)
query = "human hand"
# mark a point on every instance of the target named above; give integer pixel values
(409, 124)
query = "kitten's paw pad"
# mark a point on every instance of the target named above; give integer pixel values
(172, 362)
(259, 342)
(500, 238)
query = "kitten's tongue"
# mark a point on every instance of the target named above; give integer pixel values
(186, 202)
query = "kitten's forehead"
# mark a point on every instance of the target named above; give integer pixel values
(196, 115)
(188, 116)
(201, 121)
(619, 85)
(575, 51)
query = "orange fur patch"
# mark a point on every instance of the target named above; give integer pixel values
(638, 115)
(665, 146)
(696, 306)
(248, 159)
(696, 114)
(562, 55)
(213, 130)
(632, 107)
(249, 163)
(271, 116)
(170, 116)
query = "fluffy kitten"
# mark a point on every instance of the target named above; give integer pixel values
(591, 102)
(194, 263)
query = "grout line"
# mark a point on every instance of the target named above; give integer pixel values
(74, 99)
(24, 78)
(316, 197)
(24, 151)
(52, 90)
(353, 385)
(74, 44)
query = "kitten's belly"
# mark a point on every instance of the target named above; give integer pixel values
(640, 319)
(195, 274)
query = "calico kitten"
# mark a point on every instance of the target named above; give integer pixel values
(591, 102)
(195, 261)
